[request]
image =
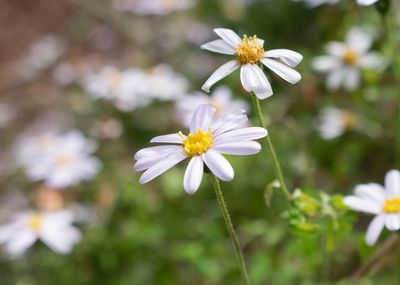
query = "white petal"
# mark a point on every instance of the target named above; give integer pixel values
(372, 191)
(219, 46)
(159, 168)
(61, 240)
(193, 175)
(156, 151)
(244, 134)
(352, 79)
(392, 183)
(218, 165)
(170, 138)
(289, 57)
(223, 71)
(287, 73)
(202, 118)
(238, 148)
(147, 162)
(20, 243)
(392, 222)
(254, 80)
(375, 229)
(366, 2)
(229, 36)
(229, 122)
(359, 40)
(325, 63)
(373, 60)
(335, 79)
(336, 49)
(362, 204)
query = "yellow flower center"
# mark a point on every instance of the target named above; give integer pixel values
(249, 50)
(64, 159)
(392, 206)
(349, 120)
(350, 57)
(198, 143)
(113, 79)
(35, 222)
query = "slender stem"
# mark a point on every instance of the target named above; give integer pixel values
(277, 166)
(229, 226)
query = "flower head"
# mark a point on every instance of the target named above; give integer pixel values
(345, 60)
(249, 54)
(335, 122)
(207, 140)
(383, 202)
(53, 228)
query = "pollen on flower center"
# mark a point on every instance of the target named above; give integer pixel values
(249, 50)
(392, 206)
(349, 120)
(350, 57)
(64, 159)
(197, 143)
(35, 222)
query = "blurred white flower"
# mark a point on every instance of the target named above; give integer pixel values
(40, 55)
(384, 202)
(366, 2)
(221, 99)
(63, 160)
(53, 228)
(208, 139)
(249, 53)
(315, 3)
(153, 7)
(70, 72)
(345, 60)
(335, 122)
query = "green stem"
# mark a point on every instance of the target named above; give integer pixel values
(277, 166)
(229, 226)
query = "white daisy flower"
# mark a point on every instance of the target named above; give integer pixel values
(366, 2)
(384, 202)
(66, 164)
(335, 122)
(249, 53)
(315, 3)
(221, 99)
(207, 140)
(345, 60)
(53, 228)
(153, 7)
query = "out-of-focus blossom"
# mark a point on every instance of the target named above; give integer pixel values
(153, 7)
(53, 228)
(345, 60)
(62, 160)
(249, 53)
(208, 139)
(221, 99)
(40, 55)
(107, 129)
(70, 72)
(383, 202)
(335, 122)
(7, 114)
(315, 3)
(366, 2)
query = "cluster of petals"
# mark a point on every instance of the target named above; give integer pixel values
(153, 7)
(60, 160)
(335, 122)
(210, 137)
(55, 229)
(344, 61)
(249, 55)
(381, 201)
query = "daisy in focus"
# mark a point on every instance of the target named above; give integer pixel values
(55, 229)
(315, 3)
(366, 2)
(335, 122)
(344, 61)
(383, 202)
(249, 53)
(208, 139)
(221, 99)
(66, 162)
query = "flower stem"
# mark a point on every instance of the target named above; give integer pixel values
(229, 226)
(277, 166)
